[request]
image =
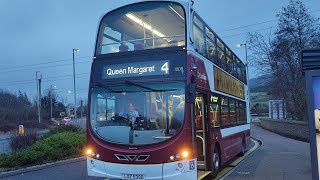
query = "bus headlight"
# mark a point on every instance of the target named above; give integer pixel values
(89, 152)
(185, 154)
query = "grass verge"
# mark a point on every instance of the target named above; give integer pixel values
(256, 123)
(58, 144)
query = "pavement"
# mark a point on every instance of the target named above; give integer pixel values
(279, 158)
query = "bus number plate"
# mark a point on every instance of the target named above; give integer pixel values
(133, 176)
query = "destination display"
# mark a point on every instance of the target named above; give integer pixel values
(227, 84)
(136, 69)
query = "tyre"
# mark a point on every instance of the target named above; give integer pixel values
(216, 162)
(243, 148)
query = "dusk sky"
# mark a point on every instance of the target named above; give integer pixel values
(38, 35)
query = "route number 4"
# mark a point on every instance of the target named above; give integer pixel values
(165, 67)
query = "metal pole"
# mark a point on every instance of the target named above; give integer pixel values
(81, 109)
(247, 67)
(40, 100)
(51, 101)
(74, 86)
(38, 96)
(247, 76)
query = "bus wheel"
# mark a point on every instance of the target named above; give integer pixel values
(243, 148)
(216, 162)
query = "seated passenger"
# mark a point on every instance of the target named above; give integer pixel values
(123, 47)
(138, 47)
(173, 43)
(199, 122)
(177, 117)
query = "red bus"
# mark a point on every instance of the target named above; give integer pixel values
(167, 98)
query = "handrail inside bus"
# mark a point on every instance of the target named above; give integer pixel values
(161, 137)
(203, 147)
(152, 38)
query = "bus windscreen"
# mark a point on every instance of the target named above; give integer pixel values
(134, 114)
(142, 26)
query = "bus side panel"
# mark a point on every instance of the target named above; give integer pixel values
(231, 141)
(232, 145)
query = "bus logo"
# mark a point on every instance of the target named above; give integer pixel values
(132, 157)
(191, 165)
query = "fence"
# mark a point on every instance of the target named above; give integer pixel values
(289, 128)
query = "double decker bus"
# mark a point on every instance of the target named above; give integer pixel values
(167, 98)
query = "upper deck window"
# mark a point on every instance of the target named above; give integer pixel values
(140, 26)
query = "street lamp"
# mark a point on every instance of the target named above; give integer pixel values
(38, 79)
(37, 94)
(247, 69)
(51, 89)
(74, 84)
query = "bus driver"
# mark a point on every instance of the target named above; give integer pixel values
(131, 114)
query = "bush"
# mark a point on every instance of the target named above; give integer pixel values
(55, 147)
(7, 127)
(61, 129)
(18, 142)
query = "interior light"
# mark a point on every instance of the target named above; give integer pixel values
(158, 33)
(144, 24)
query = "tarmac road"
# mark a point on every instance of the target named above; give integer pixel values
(278, 158)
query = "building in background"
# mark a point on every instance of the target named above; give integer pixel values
(277, 109)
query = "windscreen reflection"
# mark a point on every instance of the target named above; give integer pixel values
(135, 114)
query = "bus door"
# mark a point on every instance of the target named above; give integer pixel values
(201, 133)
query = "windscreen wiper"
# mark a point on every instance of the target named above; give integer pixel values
(134, 84)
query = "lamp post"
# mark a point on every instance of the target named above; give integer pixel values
(74, 84)
(51, 89)
(39, 77)
(38, 95)
(247, 69)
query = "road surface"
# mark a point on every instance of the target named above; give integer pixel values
(279, 158)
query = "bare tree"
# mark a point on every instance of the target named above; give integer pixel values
(278, 54)
(15, 107)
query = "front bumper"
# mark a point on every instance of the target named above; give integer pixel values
(184, 169)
